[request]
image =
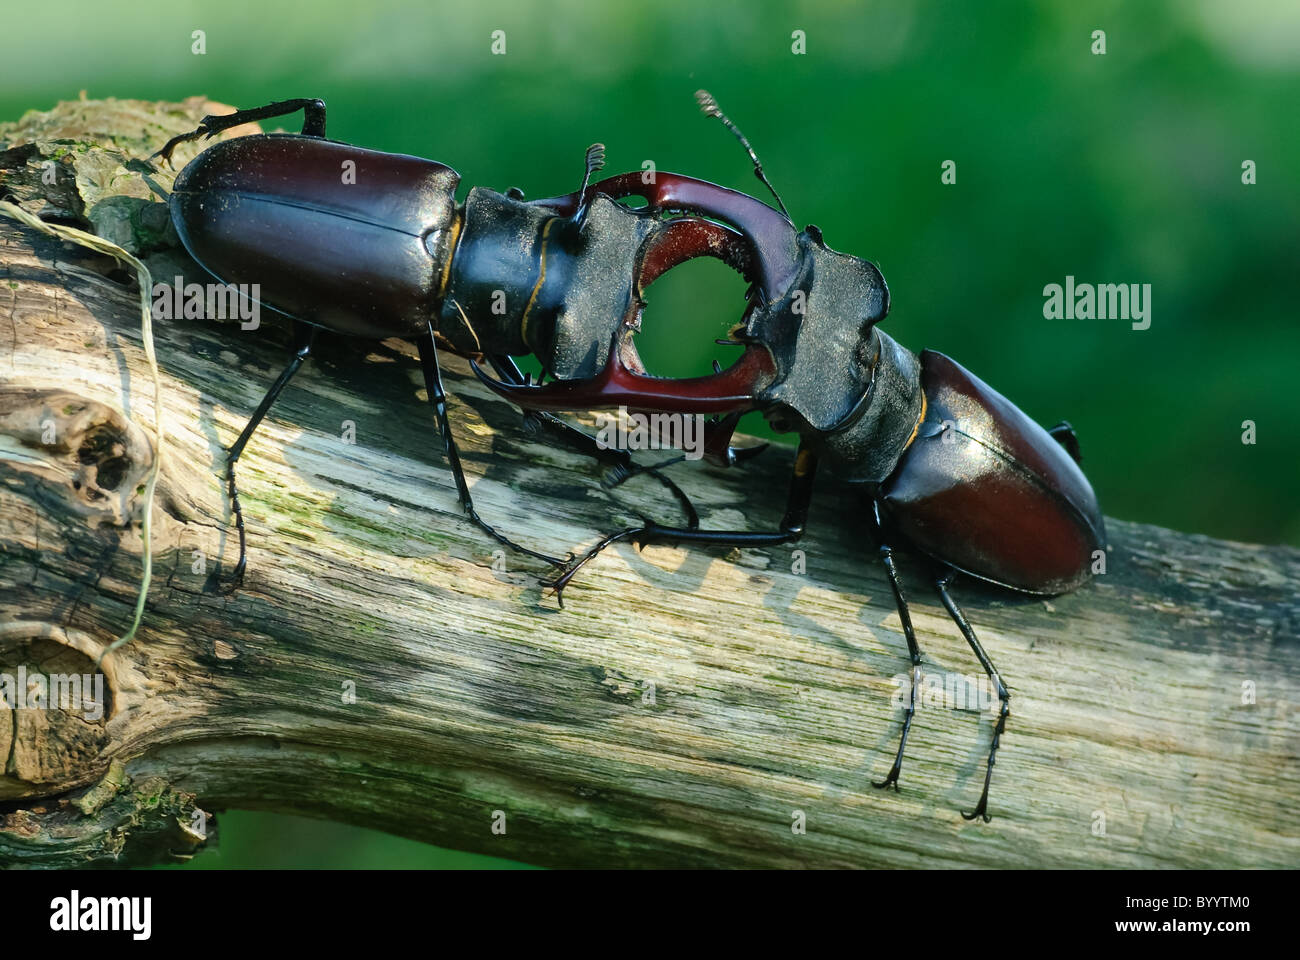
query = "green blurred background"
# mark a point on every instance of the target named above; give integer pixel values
(1122, 168)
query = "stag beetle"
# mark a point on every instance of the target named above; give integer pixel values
(947, 466)
(388, 252)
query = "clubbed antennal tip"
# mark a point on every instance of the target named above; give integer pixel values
(709, 107)
(595, 160)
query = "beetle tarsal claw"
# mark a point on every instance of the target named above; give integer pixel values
(889, 781)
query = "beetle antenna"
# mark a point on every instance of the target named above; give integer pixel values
(709, 107)
(595, 160)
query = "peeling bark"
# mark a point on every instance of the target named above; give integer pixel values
(381, 667)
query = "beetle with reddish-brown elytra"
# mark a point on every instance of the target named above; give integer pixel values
(948, 466)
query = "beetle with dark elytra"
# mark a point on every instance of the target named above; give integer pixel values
(946, 466)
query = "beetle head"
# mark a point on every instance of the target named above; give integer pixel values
(821, 335)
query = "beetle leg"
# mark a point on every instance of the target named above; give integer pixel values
(913, 650)
(620, 462)
(792, 526)
(1004, 697)
(438, 397)
(313, 124)
(304, 335)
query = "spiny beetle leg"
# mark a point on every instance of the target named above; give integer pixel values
(1004, 697)
(792, 526)
(313, 122)
(914, 652)
(304, 336)
(557, 585)
(428, 349)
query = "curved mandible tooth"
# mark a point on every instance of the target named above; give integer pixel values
(717, 442)
(685, 238)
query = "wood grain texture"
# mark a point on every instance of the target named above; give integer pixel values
(1159, 700)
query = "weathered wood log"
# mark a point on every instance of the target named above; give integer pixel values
(380, 666)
